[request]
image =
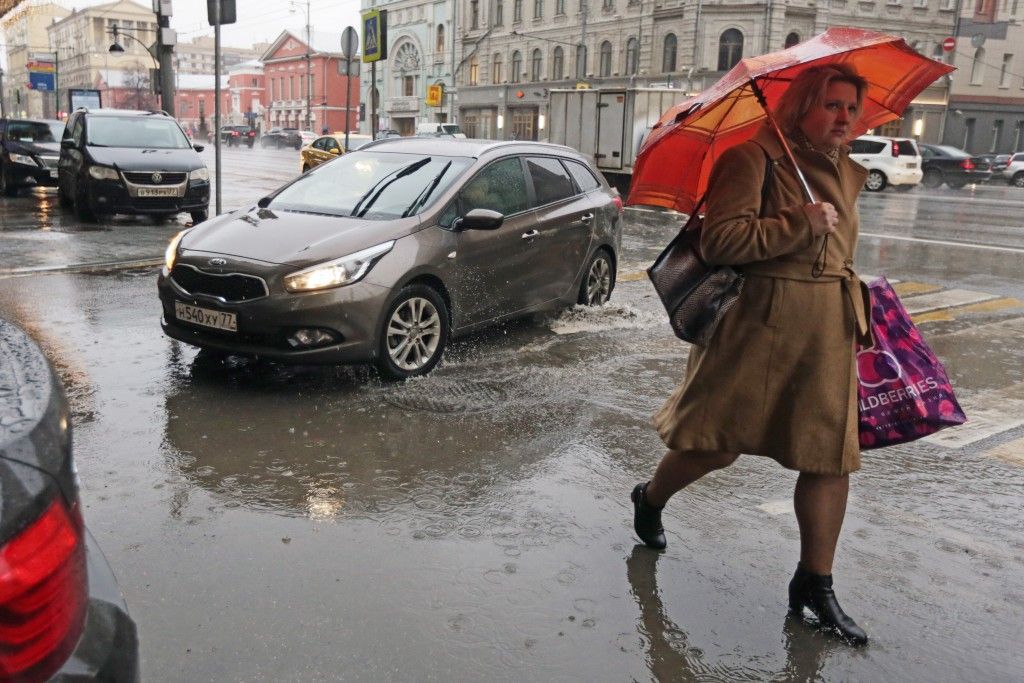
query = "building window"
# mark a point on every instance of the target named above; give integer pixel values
(948, 4)
(440, 38)
(536, 64)
(408, 85)
(668, 53)
(496, 68)
(605, 65)
(538, 9)
(1004, 71)
(920, 3)
(515, 68)
(632, 56)
(559, 7)
(254, 82)
(730, 49)
(558, 64)
(968, 135)
(499, 13)
(474, 71)
(581, 61)
(474, 14)
(292, 92)
(997, 136)
(977, 67)
(608, 4)
(792, 39)
(517, 10)
(1018, 137)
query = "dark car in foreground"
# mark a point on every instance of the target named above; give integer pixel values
(131, 162)
(386, 252)
(61, 612)
(29, 152)
(280, 138)
(953, 166)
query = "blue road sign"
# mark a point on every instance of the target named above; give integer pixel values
(40, 81)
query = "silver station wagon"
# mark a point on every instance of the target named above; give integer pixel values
(385, 253)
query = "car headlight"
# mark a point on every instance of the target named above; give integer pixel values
(103, 173)
(199, 174)
(23, 159)
(172, 250)
(342, 271)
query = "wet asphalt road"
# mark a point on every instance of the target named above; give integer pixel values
(270, 523)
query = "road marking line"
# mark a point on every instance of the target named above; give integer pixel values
(947, 298)
(633, 277)
(945, 243)
(79, 268)
(1011, 451)
(914, 288)
(988, 413)
(777, 507)
(946, 315)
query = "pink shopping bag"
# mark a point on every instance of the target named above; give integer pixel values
(903, 390)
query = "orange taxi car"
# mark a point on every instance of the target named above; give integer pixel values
(328, 147)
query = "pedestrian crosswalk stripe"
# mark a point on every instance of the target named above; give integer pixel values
(905, 289)
(946, 314)
(1011, 451)
(988, 413)
(947, 298)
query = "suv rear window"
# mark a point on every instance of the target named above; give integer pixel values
(907, 147)
(866, 147)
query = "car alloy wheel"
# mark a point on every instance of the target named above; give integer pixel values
(932, 178)
(1018, 180)
(598, 282)
(415, 333)
(875, 182)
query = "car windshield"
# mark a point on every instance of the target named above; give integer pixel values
(34, 131)
(136, 131)
(379, 183)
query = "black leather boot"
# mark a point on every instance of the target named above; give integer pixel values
(814, 591)
(647, 519)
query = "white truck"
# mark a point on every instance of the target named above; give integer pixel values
(608, 124)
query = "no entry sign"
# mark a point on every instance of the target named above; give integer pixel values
(948, 44)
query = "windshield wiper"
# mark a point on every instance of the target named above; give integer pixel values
(422, 197)
(374, 193)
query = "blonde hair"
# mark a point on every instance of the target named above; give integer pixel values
(808, 90)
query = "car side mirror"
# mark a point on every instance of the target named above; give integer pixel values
(264, 202)
(199, 148)
(67, 143)
(335, 150)
(480, 219)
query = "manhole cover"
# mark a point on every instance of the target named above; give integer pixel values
(447, 396)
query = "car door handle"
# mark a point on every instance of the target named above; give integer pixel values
(586, 218)
(530, 235)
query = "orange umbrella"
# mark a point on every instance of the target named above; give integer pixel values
(675, 161)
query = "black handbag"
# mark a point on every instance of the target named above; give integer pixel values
(695, 294)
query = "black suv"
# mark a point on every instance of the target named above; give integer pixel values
(29, 149)
(233, 136)
(135, 162)
(281, 137)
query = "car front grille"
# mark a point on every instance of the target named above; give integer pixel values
(231, 287)
(146, 177)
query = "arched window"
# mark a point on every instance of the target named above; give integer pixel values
(474, 71)
(536, 64)
(668, 53)
(632, 56)
(730, 49)
(977, 68)
(515, 68)
(605, 67)
(581, 61)
(538, 9)
(558, 64)
(440, 38)
(496, 75)
(517, 10)
(792, 39)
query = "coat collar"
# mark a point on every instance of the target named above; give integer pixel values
(766, 137)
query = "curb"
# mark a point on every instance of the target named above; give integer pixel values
(80, 267)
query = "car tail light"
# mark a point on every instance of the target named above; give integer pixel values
(618, 204)
(43, 594)
(895, 148)
(967, 165)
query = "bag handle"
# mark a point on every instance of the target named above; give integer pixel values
(769, 174)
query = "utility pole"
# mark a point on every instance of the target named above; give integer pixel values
(581, 51)
(166, 38)
(451, 95)
(309, 73)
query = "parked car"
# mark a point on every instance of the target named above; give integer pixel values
(386, 252)
(234, 136)
(889, 161)
(63, 615)
(1014, 171)
(955, 167)
(328, 147)
(29, 151)
(385, 133)
(280, 138)
(135, 162)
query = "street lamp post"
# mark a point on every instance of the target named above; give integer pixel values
(116, 48)
(309, 68)
(3, 105)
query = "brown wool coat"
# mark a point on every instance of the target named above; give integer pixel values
(778, 378)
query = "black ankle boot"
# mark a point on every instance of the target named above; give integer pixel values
(647, 519)
(814, 591)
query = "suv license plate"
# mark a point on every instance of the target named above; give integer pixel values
(207, 317)
(158, 192)
(53, 173)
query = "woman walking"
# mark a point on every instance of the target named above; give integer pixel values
(778, 379)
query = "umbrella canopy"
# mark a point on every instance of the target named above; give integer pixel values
(675, 161)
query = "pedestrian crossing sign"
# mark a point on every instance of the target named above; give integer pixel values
(375, 35)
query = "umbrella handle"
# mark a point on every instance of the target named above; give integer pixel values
(808, 194)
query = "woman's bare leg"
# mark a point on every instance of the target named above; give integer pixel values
(679, 469)
(820, 504)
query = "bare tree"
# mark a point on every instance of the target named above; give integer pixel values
(137, 92)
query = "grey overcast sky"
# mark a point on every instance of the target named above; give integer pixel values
(258, 20)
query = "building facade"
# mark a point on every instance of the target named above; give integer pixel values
(421, 52)
(305, 86)
(986, 101)
(25, 30)
(196, 57)
(248, 93)
(195, 102)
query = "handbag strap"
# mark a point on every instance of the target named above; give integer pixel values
(769, 174)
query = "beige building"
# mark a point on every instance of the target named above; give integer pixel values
(196, 57)
(82, 41)
(25, 33)
(512, 51)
